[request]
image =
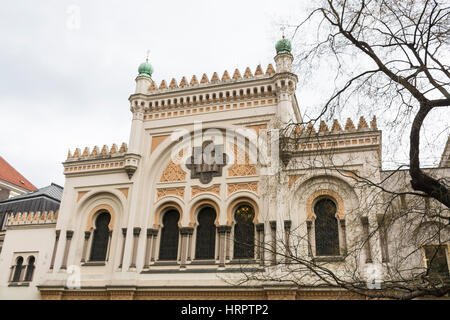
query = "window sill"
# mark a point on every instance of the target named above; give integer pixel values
(328, 259)
(204, 262)
(165, 263)
(19, 284)
(242, 261)
(93, 263)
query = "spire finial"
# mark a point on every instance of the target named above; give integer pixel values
(282, 30)
(148, 52)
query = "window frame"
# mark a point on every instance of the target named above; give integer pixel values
(233, 231)
(341, 234)
(195, 236)
(162, 215)
(91, 239)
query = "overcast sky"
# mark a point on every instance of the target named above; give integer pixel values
(67, 68)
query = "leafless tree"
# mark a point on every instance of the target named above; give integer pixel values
(406, 45)
(403, 53)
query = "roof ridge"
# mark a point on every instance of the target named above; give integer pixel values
(9, 174)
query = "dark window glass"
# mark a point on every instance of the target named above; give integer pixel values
(168, 248)
(30, 269)
(206, 234)
(18, 269)
(326, 228)
(436, 257)
(101, 237)
(244, 233)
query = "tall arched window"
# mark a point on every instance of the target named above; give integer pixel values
(18, 269)
(30, 269)
(206, 234)
(326, 228)
(101, 237)
(168, 248)
(244, 232)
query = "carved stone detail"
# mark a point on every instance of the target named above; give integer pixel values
(241, 168)
(250, 186)
(195, 190)
(173, 172)
(179, 192)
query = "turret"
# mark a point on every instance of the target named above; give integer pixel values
(144, 78)
(284, 58)
(285, 82)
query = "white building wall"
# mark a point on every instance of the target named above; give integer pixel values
(26, 240)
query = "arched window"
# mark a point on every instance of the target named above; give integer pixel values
(30, 269)
(168, 248)
(326, 228)
(244, 232)
(206, 234)
(101, 237)
(18, 269)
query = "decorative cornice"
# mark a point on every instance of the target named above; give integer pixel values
(32, 218)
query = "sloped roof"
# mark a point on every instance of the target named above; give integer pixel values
(11, 175)
(53, 191)
(44, 199)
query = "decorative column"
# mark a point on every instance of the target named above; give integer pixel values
(383, 238)
(309, 237)
(228, 244)
(148, 247)
(87, 235)
(367, 249)
(273, 229)
(108, 249)
(154, 237)
(260, 243)
(124, 233)
(222, 230)
(69, 235)
(136, 232)
(54, 249)
(344, 237)
(185, 232)
(287, 236)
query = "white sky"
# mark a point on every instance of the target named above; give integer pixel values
(63, 86)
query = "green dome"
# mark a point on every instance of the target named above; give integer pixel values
(283, 46)
(145, 69)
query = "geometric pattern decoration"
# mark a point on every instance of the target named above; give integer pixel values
(241, 169)
(179, 192)
(249, 186)
(173, 172)
(195, 190)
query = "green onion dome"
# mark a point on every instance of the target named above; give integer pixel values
(283, 46)
(145, 69)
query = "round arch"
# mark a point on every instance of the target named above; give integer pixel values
(200, 204)
(164, 207)
(321, 194)
(241, 200)
(97, 210)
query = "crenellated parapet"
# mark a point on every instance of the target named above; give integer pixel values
(203, 94)
(330, 137)
(96, 160)
(32, 218)
(154, 88)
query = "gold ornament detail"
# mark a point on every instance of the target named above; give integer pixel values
(240, 169)
(173, 172)
(195, 190)
(179, 192)
(249, 186)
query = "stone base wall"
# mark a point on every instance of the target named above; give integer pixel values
(197, 295)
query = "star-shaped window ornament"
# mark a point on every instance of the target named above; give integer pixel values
(207, 162)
